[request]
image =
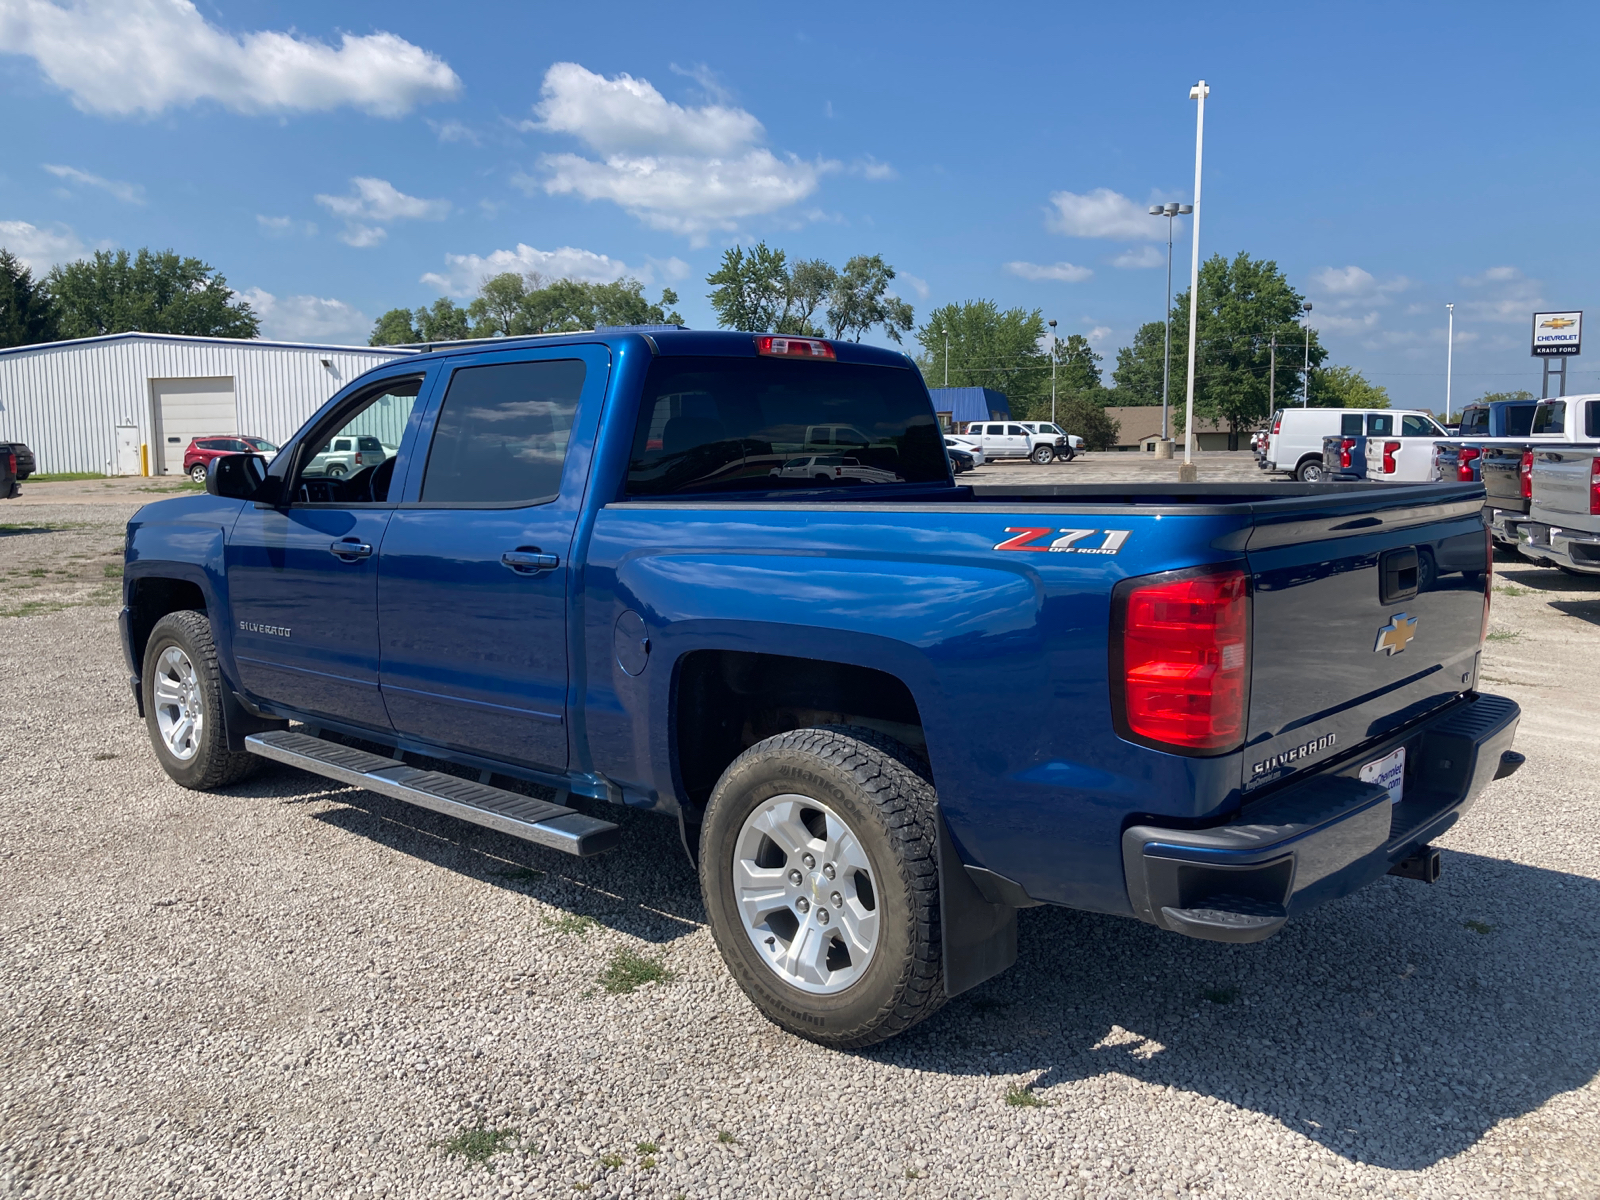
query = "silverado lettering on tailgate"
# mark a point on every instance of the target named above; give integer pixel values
(1316, 746)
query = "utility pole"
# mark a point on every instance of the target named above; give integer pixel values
(947, 356)
(1449, 355)
(1188, 473)
(1305, 395)
(1272, 377)
(1052, 372)
(1168, 211)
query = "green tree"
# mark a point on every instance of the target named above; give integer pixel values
(156, 292)
(988, 347)
(496, 310)
(1243, 304)
(1492, 397)
(751, 292)
(859, 300)
(27, 312)
(1346, 387)
(394, 328)
(810, 284)
(1138, 372)
(444, 321)
(1077, 365)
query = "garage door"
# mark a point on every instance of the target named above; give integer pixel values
(189, 408)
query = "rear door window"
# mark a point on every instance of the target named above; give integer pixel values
(1350, 425)
(1591, 419)
(1417, 427)
(1380, 425)
(502, 433)
(1475, 422)
(1550, 417)
(1520, 419)
(711, 425)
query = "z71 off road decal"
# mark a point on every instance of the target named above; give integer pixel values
(1066, 542)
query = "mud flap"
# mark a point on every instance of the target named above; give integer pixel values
(980, 938)
(241, 721)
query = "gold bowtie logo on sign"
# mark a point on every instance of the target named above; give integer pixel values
(1396, 635)
(1557, 323)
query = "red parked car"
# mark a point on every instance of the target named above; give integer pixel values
(197, 458)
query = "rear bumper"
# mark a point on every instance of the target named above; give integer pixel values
(1557, 547)
(1320, 839)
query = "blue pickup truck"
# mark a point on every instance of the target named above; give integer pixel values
(885, 711)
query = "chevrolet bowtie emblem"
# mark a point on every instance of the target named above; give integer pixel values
(1396, 635)
(1557, 323)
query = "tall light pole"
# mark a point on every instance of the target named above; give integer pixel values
(947, 355)
(1305, 395)
(1052, 372)
(1168, 211)
(1199, 92)
(1449, 353)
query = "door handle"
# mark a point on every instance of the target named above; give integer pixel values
(529, 560)
(349, 549)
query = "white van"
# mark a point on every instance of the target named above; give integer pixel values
(1294, 444)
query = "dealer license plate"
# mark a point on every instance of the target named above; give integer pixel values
(1388, 771)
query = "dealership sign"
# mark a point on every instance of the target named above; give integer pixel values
(1557, 333)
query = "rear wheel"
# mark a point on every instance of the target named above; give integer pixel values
(1312, 471)
(1042, 454)
(336, 470)
(819, 869)
(182, 690)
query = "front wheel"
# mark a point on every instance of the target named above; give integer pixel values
(1042, 454)
(1312, 471)
(198, 473)
(336, 470)
(819, 870)
(182, 689)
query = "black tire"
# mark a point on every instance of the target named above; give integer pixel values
(198, 472)
(1311, 470)
(212, 765)
(336, 470)
(882, 792)
(1042, 454)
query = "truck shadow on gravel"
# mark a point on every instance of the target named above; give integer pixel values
(646, 889)
(1395, 1027)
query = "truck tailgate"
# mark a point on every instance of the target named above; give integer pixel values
(1561, 482)
(1363, 622)
(1502, 477)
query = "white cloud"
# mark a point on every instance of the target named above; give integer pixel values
(40, 249)
(455, 131)
(1061, 272)
(1098, 334)
(706, 78)
(919, 286)
(128, 193)
(308, 319)
(1144, 256)
(1507, 295)
(870, 168)
(1101, 213)
(375, 203)
(1333, 321)
(1351, 286)
(145, 56)
(685, 170)
(670, 269)
(627, 115)
(286, 225)
(464, 272)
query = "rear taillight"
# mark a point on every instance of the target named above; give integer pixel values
(1180, 659)
(358, 458)
(1390, 449)
(1525, 472)
(1464, 458)
(1277, 424)
(1594, 487)
(11, 463)
(793, 347)
(1345, 447)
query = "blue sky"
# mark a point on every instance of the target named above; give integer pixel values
(337, 160)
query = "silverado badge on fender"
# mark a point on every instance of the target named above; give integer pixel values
(1396, 635)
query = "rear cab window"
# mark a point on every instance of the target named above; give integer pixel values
(710, 425)
(1550, 417)
(1475, 422)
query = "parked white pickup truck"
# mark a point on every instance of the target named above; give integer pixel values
(1013, 439)
(1563, 524)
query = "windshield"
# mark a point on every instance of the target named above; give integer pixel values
(709, 425)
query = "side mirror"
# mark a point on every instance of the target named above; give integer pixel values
(236, 476)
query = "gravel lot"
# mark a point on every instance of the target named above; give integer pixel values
(298, 989)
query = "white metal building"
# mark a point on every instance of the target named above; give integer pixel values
(114, 404)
